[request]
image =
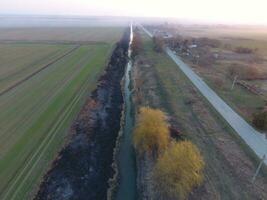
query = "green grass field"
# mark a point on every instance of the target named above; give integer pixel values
(35, 116)
(28, 58)
(223, 152)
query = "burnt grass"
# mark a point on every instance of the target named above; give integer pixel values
(83, 167)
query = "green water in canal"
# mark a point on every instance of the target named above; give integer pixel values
(126, 156)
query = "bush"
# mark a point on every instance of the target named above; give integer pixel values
(243, 50)
(158, 43)
(248, 72)
(252, 73)
(219, 82)
(137, 44)
(206, 60)
(208, 42)
(178, 170)
(260, 120)
(236, 69)
(151, 133)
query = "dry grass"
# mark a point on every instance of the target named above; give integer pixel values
(228, 169)
(252, 68)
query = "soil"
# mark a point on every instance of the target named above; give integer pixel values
(83, 167)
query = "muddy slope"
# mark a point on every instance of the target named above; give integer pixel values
(83, 167)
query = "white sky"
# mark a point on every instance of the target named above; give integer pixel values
(232, 11)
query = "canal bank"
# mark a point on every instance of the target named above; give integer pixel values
(126, 155)
(83, 167)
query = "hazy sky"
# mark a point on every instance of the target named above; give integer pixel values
(234, 11)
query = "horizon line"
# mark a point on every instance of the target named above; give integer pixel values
(177, 19)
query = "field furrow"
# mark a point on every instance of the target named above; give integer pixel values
(31, 73)
(43, 86)
(28, 130)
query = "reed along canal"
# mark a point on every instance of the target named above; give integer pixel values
(83, 167)
(126, 154)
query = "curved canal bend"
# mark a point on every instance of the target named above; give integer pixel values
(126, 155)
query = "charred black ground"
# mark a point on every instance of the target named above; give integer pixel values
(83, 167)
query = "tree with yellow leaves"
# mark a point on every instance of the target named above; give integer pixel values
(151, 133)
(178, 170)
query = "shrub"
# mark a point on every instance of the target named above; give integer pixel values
(178, 170)
(236, 69)
(158, 43)
(206, 60)
(248, 72)
(208, 42)
(137, 44)
(219, 82)
(243, 50)
(252, 73)
(151, 133)
(260, 120)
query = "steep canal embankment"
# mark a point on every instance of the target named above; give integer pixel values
(126, 155)
(84, 166)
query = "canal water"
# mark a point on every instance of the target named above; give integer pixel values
(126, 155)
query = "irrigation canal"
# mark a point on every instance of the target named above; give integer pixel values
(126, 155)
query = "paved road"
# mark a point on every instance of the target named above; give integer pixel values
(254, 139)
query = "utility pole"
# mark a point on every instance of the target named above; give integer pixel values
(258, 169)
(234, 82)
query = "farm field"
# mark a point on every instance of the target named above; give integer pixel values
(20, 60)
(225, 31)
(229, 164)
(218, 58)
(61, 34)
(36, 114)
